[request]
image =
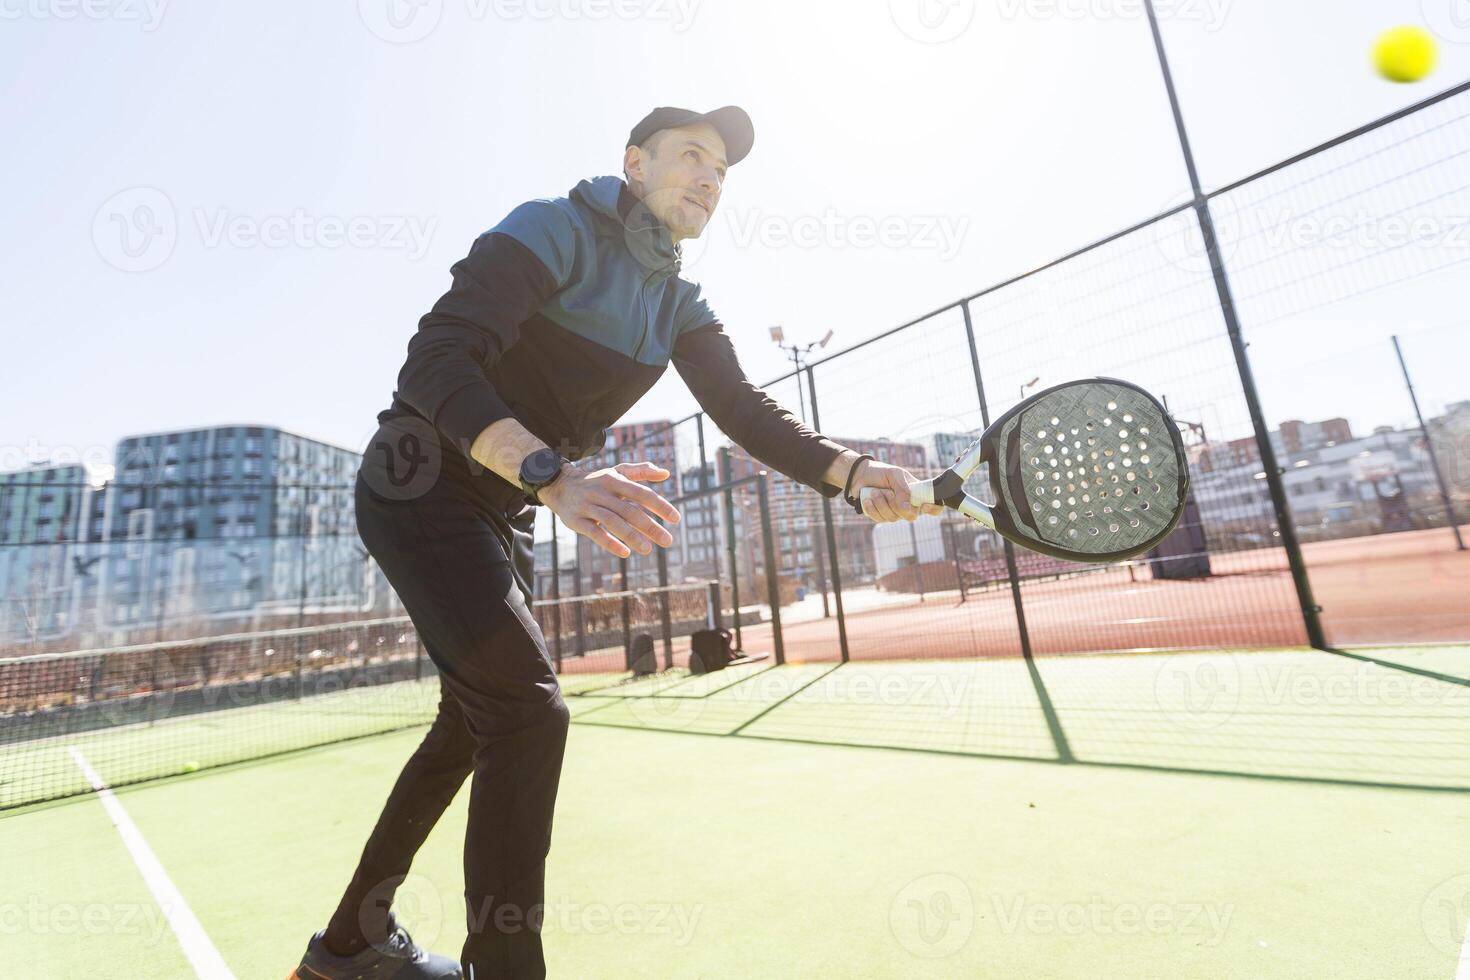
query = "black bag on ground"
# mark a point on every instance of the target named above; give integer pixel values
(641, 658)
(710, 651)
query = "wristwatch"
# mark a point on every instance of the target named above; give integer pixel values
(539, 471)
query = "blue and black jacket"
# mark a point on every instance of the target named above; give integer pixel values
(562, 316)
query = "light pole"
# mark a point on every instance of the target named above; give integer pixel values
(798, 354)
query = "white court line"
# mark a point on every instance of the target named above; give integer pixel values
(205, 959)
(1463, 972)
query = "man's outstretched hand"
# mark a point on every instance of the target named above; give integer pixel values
(890, 500)
(613, 508)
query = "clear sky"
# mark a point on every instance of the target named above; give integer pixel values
(313, 169)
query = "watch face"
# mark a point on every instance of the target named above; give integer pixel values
(540, 466)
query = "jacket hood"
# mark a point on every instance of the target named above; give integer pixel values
(649, 241)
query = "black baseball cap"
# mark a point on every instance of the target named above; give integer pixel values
(731, 122)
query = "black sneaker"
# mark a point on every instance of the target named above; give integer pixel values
(396, 959)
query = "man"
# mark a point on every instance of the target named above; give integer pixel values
(557, 321)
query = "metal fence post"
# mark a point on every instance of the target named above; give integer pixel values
(1010, 550)
(555, 595)
(663, 606)
(579, 610)
(1310, 610)
(773, 585)
(954, 549)
(627, 612)
(831, 533)
(1444, 493)
(706, 480)
(725, 478)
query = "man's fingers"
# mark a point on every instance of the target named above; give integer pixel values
(932, 510)
(879, 506)
(614, 524)
(643, 472)
(902, 498)
(594, 533)
(650, 500)
(640, 519)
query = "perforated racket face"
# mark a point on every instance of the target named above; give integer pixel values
(1092, 469)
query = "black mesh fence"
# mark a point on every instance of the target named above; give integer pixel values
(1325, 259)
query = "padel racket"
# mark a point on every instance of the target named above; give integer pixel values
(1088, 471)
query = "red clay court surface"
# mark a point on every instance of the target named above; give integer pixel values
(1411, 587)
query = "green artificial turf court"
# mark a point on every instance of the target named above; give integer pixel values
(1283, 814)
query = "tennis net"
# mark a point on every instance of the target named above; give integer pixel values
(143, 712)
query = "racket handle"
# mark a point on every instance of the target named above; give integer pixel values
(917, 496)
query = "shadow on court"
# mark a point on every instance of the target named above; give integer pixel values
(1385, 719)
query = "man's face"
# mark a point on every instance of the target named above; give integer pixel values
(679, 176)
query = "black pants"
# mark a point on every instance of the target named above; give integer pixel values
(462, 568)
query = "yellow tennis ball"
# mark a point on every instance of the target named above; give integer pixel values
(1405, 54)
